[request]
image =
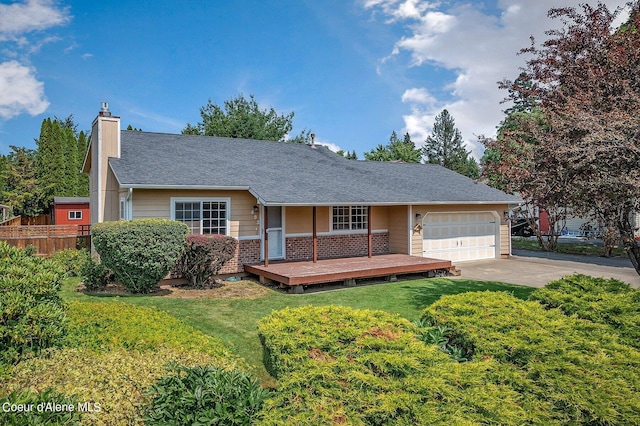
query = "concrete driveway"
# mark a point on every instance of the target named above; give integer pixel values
(535, 269)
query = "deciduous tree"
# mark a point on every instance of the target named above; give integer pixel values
(243, 118)
(585, 77)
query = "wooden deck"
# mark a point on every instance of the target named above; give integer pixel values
(351, 268)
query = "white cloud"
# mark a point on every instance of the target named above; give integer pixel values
(479, 48)
(332, 146)
(21, 91)
(32, 15)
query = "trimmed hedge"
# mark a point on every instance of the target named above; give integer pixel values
(577, 369)
(139, 252)
(32, 314)
(203, 257)
(71, 260)
(604, 301)
(114, 353)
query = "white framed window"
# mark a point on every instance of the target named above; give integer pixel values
(202, 216)
(74, 214)
(345, 218)
(123, 208)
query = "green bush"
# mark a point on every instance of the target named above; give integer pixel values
(575, 367)
(203, 257)
(27, 408)
(114, 353)
(32, 314)
(95, 276)
(71, 261)
(604, 301)
(204, 395)
(340, 365)
(139, 252)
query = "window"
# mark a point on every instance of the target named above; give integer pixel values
(123, 209)
(206, 216)
(75, 215)
(349, 218)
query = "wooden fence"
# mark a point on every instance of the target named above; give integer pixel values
(47, 239)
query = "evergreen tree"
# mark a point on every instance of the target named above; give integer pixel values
(82, 185)
(446, 147)
(397, 150)
(20, 188)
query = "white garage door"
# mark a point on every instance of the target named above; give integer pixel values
(459, 236)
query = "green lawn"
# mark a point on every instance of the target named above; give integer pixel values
(235, 320)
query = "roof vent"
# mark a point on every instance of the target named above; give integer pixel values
(313, 140)
(104, 109)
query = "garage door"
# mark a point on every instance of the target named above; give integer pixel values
(459, 236)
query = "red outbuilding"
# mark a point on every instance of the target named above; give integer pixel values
(71, 211)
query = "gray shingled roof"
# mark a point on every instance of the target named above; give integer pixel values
(285, 173)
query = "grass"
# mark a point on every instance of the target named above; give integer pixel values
(234, 320)
(584, 248)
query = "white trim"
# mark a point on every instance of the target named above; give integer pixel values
(122, 208)
(202, 187)
(76, 215)
(383, 203)
(227, 200)
(347, 231)
(248, 237)
(337, 233)
(410, 230)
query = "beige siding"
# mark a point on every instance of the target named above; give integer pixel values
(149, 203)
(299, 220)
(111, 198)
(500, 209)
(398, 229)
(379, 218)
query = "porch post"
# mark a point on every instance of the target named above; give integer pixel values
(266, 237)
(315, 236)
(369, 237)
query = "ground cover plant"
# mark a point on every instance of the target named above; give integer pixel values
(523, 364)
(111, 356)
(139, 252)
(603, 301)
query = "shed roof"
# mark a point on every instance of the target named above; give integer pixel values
(71, 200)
(287, 173)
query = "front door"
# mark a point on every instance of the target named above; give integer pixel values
(275, 231)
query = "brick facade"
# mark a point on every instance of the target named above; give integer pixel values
(301, 248)
(335, 246)
(248, 251)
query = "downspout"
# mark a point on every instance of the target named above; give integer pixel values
(128, 205)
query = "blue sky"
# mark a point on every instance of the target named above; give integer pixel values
(351, 70)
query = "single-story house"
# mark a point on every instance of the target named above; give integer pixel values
(71, 211)
(275, 197)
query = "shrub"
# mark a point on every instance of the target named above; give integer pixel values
(70, 260)
(32, 313)
(114, 352)
(340, 365)
(575, 367)
(204, 395)
(203, 257)
(139, 252)
(36, 414)
(604, 301)
(108, 326)
(95, 276)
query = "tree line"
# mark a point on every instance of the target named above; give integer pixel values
(29, 179)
